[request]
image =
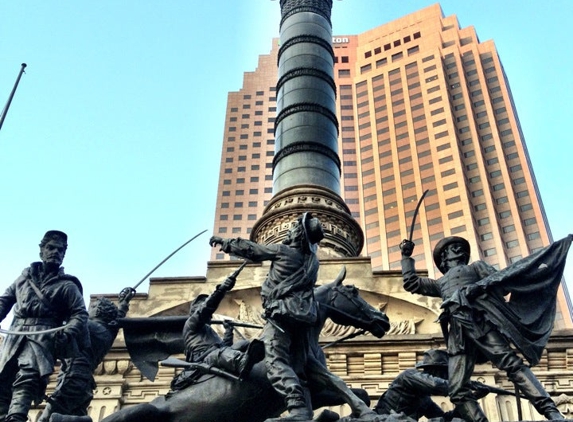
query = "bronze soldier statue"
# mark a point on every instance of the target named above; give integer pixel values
(410, 392)
(75, 383)
(203, 344)
(288, 304)
(42, 298)
(290, 309)
(479, 324)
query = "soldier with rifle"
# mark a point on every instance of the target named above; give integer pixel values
(204, 345)
(410, 392)
(75, 383)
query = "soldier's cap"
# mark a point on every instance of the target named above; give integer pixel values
(434, 358)
(55, 235)
(312, 228)
(199, 299)
(441, 245)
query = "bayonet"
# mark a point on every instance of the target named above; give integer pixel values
(201, 367)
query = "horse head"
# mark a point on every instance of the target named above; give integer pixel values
(344, 305)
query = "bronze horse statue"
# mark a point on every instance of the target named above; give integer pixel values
(216, 399)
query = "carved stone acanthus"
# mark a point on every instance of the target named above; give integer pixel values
(252, 315)
(292, 7)
(343, 235)
(111, 367)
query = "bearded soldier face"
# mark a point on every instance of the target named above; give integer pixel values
(53, 252)
(294, 235)
(454, 255)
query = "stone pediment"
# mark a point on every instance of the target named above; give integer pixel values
(408, 314)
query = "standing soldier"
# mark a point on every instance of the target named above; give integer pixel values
(75, 384)
(289, 306)
(479, 324)
(43, 298)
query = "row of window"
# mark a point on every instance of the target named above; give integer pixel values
(396, 43)
(240, 192)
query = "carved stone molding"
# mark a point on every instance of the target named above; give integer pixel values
(343, 235)
(306, 71)
(305, 38)
(306, 147)
(291, 7)
(307, 108)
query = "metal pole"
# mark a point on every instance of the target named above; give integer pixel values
(7, 106)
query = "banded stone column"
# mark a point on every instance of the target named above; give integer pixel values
(306, 166)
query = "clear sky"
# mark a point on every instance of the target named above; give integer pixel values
(115, 133)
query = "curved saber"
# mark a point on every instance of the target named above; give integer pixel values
(31, 333)
(416, 214)
(169, 256)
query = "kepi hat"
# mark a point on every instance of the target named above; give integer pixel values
(434, 358)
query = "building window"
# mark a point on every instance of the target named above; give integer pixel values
(489, 252)
(483, 221)
(511, 244)
(486, 236)
(522, 194)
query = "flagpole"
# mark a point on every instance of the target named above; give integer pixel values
(7, 106)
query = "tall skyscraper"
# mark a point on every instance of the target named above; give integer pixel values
(422, 105)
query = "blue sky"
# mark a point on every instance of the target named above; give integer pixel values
(115, 132)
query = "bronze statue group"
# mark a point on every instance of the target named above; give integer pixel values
(51, 323)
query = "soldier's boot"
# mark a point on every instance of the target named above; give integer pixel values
(254, 353)
(302, 413)
(57, 417)
(45, 416)
(298, 409)
(5, 399)
(21, 402)
(470, 411)
(532, 389)
(327, 416)
(17, 417)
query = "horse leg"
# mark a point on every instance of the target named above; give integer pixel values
(322, 376)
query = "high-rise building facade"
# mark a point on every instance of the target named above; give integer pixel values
(422, 104)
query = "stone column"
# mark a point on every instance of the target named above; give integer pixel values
(306, 166)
